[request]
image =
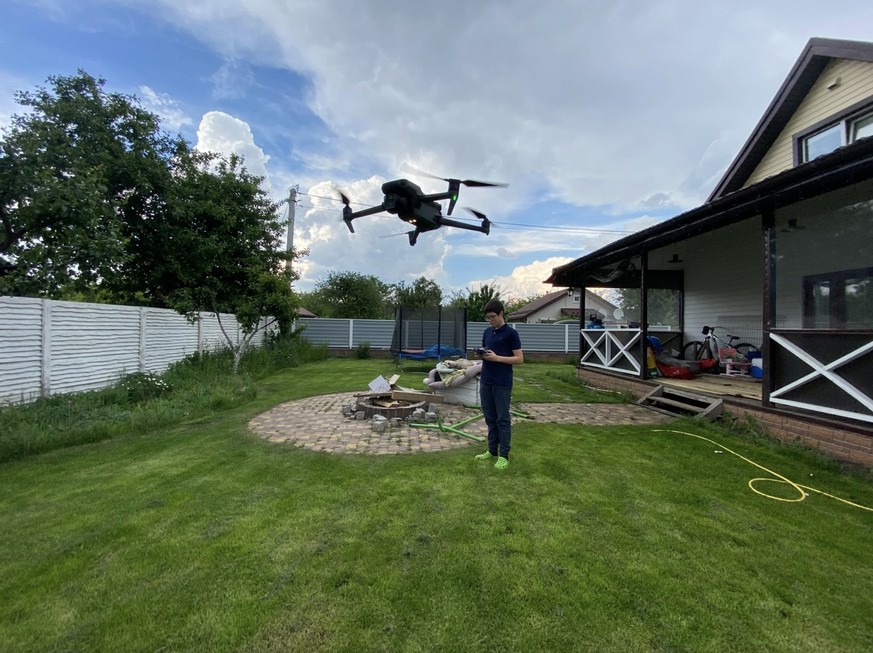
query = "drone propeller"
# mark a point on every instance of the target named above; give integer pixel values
(454, 184)
(486, 223)
(347, 211)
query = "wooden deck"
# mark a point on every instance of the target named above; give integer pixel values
(720, 385)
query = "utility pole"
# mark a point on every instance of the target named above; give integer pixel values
(292, 205)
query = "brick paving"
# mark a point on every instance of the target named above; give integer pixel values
(318, 423)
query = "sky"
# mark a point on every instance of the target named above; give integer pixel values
(604, 118)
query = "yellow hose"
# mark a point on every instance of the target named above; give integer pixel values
(779, 478)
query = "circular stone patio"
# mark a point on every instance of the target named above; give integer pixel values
(317, 423)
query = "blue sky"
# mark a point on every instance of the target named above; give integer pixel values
(603, 118)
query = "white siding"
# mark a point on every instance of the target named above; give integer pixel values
(856, 84)
(724, 273)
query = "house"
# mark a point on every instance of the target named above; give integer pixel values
(562, 304)
(781, 255)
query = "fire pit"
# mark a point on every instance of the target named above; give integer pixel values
(388, 407)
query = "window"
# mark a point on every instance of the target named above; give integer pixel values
(838, 300)
(824, 140)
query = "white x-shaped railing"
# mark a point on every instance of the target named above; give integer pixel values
(606, 350)
(827, 371)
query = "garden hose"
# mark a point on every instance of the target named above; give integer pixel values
(800, 489)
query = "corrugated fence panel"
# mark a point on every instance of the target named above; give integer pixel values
(548, 337)
(91, 345)
(325, 331)
(20, 348)
(169, 337)
(211, 336)
(378, 333)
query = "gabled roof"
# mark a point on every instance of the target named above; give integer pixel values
(536, 305)
(812, 61)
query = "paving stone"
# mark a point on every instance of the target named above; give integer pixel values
(318, 423)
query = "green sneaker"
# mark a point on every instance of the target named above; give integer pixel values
(484, 456)
(502, 463)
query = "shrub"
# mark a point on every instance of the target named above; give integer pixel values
(364, 351)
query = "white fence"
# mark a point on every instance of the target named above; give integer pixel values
(53, 347)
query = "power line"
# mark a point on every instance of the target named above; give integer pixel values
(502, 225)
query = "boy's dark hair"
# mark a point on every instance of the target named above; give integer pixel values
(494, 306)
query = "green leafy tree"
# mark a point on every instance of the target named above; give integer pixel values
(97, 203)
(350, 295)
(422, 293)
(474, 300)
(77, 166)
(225, 241)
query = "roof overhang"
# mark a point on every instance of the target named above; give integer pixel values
(846, 166)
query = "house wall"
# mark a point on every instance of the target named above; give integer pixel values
(723, 277)
(856, 79)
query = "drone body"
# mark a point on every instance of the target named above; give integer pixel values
(408, 202)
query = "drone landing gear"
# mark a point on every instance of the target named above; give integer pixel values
(413, 236)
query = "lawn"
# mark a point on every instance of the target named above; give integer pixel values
(198, 536)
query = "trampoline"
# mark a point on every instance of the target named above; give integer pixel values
(422, 334)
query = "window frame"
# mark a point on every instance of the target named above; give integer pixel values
(845, 119)
(836, 300)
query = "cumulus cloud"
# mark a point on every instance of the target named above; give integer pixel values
(224, 134)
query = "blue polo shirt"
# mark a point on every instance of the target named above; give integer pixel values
(503, 342)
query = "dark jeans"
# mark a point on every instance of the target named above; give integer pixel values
(495, 407)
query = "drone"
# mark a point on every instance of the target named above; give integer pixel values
(408, 202)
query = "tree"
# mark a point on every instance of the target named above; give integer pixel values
(74, 169)
(350, 295)
(474, 300)
(423, 293)
(97, 202)
(217, 248)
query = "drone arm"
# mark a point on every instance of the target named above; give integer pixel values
(451, 194)
(349, 215)
(484, 228)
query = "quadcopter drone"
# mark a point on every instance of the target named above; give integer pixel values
(408, 202)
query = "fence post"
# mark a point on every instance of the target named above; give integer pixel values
(142, 339)
(351, 333)
(45, 382)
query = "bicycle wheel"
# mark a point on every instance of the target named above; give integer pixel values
(691, 351)
(747, 350)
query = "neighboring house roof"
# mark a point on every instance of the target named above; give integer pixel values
(536, 305)
(812, 61)
(542, 302)
(302, 312)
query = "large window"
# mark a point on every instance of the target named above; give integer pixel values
(838, 300)
(828, 138)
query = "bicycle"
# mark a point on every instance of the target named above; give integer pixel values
(711, 346)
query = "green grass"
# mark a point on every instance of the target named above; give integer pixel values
(198, 536)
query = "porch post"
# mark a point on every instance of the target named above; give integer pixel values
(768, 222)
(644, 315)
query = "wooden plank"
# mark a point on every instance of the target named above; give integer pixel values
(412, 395)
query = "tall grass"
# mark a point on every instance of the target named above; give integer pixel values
(195, 387)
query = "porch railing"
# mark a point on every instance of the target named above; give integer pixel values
(616, 350)
(823, 371)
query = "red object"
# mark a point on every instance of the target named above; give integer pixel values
(675, 371)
